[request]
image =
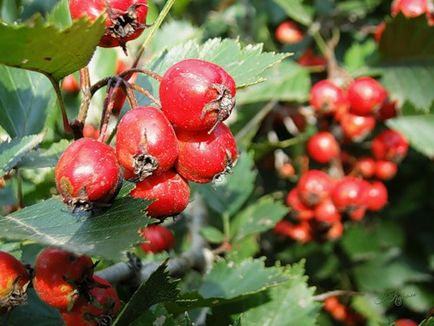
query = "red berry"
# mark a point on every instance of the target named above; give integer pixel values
(326, 97)
(313, 187)
(125, 18)
(119, 96)
(387, 111)
(204, 157)
(350, 193)
(282, 227)
(90, 131)
(365, 167)
(170, 190)
(331, 303)
(197, 94)
(385, 170)
(379, 30)
(323, 147)
(86, 173)
(410, 8)
(299, 210)
(299, 232)
(288, 33)
(405, 322)
(158, 237)
(59, 275)
(101, 309)
(145, 143)
(366, 96)
(390, 145)
(14, 280)
(70, 84)
(357, 214)
(336, 230)
(309, 59)
(377, 196)
(327, 212)
(356, 127)
(286, 170)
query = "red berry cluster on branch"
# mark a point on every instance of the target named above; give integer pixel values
(341, 312)
(350, 185)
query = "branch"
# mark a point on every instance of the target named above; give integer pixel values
(326, 295)
(197, 257)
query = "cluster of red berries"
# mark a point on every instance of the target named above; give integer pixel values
(321, 200)
(341, 312)
(410, 9)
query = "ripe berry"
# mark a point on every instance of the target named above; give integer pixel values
(286, 170)
(377, 196)
(145, 143)
(197, 94)
(158, 237)
(88, 173)
(365, 167)
(299, 210)
(309, 59)
(390, 145)
(385, 170)
(90, 131)
(350, 193)
(323, 147)
(299, 232)
(356, 127)
(366, 96)
(100, 308)
(119, 96)
(204, 157)
(59, 276)
(313, 187)
(326, 97)
(125, 18)
(14, 280)
(70, 84)
(288, 33)
(170, 190)
(405, 322)
(327, 212)
(282, 227)
(410, 8)
(336, 230)
(379, 30)
(387, 111)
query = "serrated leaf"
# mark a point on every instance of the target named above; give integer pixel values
(60, 14)
(428, 322)
(259, 217)
(159, 288)
(357, 7)
(109, 234)
(286, 81)
(12, 152)
(44, 158)
(227, 198)
(228, 280)
(38, 46)
(290, 303)
(158, 316)
(212, 234)
(419, 130)
(297, 10)
(24, 101)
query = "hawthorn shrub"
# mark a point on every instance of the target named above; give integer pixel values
(216, 162)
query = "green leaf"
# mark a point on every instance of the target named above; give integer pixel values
(296, 10)
(290, 303)
(173, 33)
(44, 158)
(157, 315)
(428, 322)
(358, 54)
(60, 14)
(12, 152)
(228, 280)
(357, 7)
(212, 234)
(159, 288)
(259, 217)
(419, 130)
(286, 81)
(45, 48)
(227, 198)
(24, 101)
(109, 234)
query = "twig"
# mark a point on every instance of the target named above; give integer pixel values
(66, 125)
(326, 295)
(20, 199)
(142, 71)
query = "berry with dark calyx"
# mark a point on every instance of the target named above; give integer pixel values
(59, 276)
(88, 174)
(327, 212)
(298, 209)
(410, 8)
(145, 143)
(70, 84)
(390, 145)
(158, 238)
(169, 190)
(126, 19)
(385, 170)
(405, 322)
(366, 96)
(14, 280)
(377, 196)
(323, 147)
(356, 127)
(350, 194)
(99, 307)
(313, 187)
(288, 33)
(197, 95)
(205, 157)
(365, 167)
(326, 97)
